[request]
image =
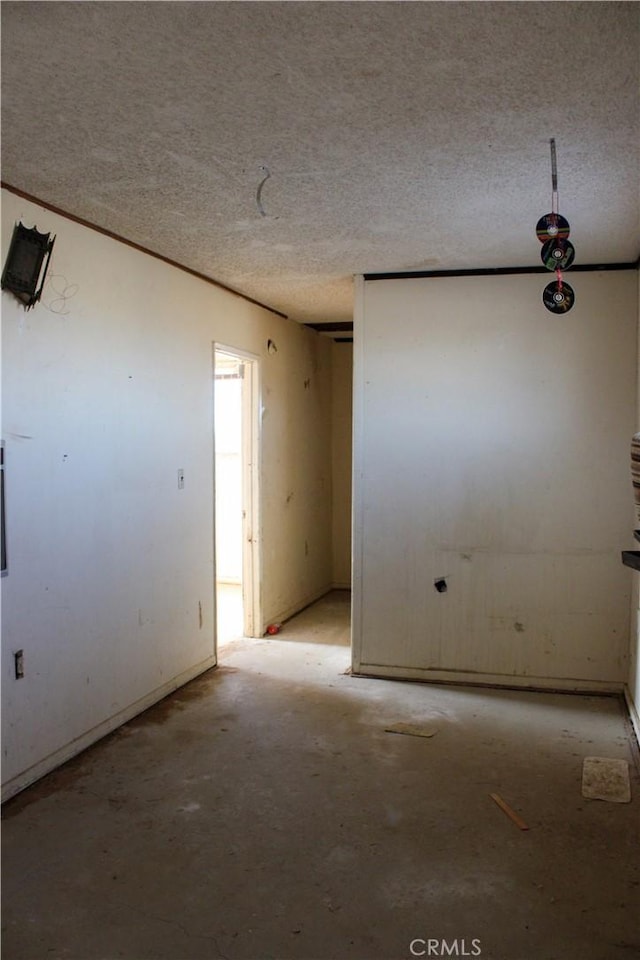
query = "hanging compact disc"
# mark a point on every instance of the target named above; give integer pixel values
(557, 254)
(552, 227)
(558, 297)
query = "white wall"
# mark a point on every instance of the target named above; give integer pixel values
(633, 680)
(296, 480)
(341, 443)
(105, 396)
(492, 448)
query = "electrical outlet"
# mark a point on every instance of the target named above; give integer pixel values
(18, 659)
(180, 479)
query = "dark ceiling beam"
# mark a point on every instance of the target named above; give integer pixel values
(340, 327)
(495, 271)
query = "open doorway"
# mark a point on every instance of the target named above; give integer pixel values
(236, 393)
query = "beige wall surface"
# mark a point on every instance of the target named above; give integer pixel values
(342, 461)
(633, 682)
(107, 393)
(492, 447)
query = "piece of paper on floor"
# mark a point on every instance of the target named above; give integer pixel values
(604, 779)
(412, 729)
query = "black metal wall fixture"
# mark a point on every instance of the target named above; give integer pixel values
(557, 252)
(27, 262)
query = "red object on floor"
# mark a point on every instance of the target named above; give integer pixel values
(273, 628)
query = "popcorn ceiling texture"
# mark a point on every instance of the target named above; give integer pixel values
(399, 136)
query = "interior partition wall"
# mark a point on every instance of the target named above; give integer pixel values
(492, 495)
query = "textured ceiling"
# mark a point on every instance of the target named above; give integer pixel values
(399, 136)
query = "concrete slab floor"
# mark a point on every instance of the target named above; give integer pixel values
(263, 812)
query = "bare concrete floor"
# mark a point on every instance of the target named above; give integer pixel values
(263, 813)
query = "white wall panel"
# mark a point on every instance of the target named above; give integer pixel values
(492, 450)
(633, 682)
(341, 448)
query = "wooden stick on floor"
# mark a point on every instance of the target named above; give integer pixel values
(519, 822)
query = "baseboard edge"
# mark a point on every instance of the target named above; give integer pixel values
(49, 763)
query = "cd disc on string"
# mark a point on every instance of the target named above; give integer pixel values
(557, 254)
(552, 227)
(558, 297)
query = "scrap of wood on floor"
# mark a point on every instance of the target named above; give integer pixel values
(504, 806)
(412, 729)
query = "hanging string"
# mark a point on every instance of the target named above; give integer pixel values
(557, 252)
(554, 177)
(554, 197)
(267, 174)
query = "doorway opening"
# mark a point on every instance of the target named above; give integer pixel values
(236, 479)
